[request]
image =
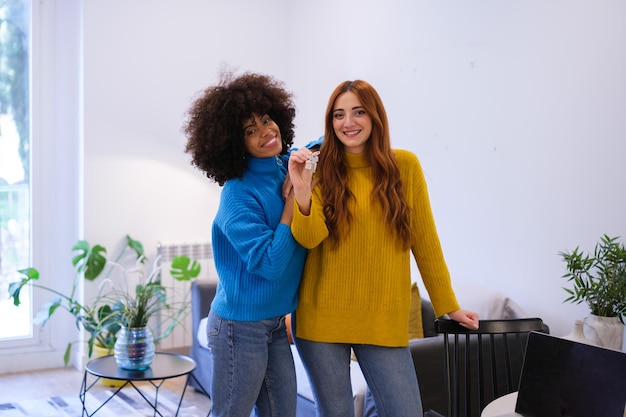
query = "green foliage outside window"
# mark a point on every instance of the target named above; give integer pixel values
(14, 74)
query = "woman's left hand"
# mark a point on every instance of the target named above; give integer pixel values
(467, 319)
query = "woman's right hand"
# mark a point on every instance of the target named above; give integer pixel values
(301, 175)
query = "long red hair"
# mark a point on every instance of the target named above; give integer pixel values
(333, 170)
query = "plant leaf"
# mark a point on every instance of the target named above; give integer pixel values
(46, 311)
(136, 246)
(183, 269)
(89, 261)
(66, 355)
(96, 261)
(82, 247)
(599, 278)
(15, 288)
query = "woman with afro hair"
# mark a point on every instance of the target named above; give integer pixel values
(239, 132)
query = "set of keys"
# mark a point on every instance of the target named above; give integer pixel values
(311, 163)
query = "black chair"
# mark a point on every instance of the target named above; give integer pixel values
(482, 365)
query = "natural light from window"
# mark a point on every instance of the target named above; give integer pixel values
(14, 164)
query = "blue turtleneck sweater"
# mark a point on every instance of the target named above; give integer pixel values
(258, 262)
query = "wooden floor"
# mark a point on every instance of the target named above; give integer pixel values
(67, 381)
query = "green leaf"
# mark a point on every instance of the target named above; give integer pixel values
(89, 261)
(66, 356)
(96, 261)
(109, 319)
(29, 274)
(136, 246)
(183, 269)
(82, 247)
(90, 347)
(46, 311)
(599, 278)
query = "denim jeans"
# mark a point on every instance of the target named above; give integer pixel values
(252, 368)
(389, 373)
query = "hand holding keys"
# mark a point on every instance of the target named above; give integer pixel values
(311, 163)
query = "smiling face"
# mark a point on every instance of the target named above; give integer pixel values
(262, 136)
(352, 124)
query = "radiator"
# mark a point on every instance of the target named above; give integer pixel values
(179, 291)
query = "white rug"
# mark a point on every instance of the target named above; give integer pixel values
(127, 403)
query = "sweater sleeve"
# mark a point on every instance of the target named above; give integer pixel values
(266, 251)
(309, 231)
(427, 248)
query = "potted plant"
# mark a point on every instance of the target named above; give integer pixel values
(135, 345)
(599, 280)
(101, 317)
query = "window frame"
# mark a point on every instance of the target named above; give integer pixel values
(56, 177)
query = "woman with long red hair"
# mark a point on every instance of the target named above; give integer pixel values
(361, 215)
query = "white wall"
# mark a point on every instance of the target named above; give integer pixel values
(515, 109)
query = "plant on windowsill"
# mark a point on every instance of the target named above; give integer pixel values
(102, 316)
(599, 280)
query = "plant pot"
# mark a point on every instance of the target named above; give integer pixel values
(98, 352)
(134, 348)
(606, 332)
(578, 334)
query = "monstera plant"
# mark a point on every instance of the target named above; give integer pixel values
(103, 316)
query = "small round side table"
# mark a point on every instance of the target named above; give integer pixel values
(165, 366)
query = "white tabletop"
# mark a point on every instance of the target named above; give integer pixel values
(502, 407)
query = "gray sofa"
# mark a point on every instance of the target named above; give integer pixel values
(202, 293)
(427, 359)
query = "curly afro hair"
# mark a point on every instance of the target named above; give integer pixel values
(214, 122)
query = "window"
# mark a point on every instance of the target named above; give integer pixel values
(49, 209)
(15, 207)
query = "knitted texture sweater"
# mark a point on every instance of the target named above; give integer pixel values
(360, 291)
(258, 262)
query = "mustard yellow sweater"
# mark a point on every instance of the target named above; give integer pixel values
(360, 292)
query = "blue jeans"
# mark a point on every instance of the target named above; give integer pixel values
(252, 368)
(389, 373)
